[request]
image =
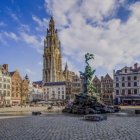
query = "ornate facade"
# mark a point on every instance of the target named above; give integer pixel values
(107, 89)
(52, 60)
(126, 83)
(36, 91)
(16, 81)
(24, 90)
(97, 84)
(19, 88)
(5, 86)
(55, 91)
(68, 75)
(104, 88)
(52, 64)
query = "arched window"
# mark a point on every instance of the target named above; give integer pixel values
(107, 96)
(103, 96)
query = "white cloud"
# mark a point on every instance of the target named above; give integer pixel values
(32, 41)
(41, 23)
(37, 20)
(14, 16)
(2, 24)
(29, 71)
(11, 35)
(24, 28)
(4, 35)
(60, 8)
(97, 9)
(40, 63)
(113, 42)
(65, 12)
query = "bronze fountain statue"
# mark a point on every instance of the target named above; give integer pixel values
(87, 76)
(87, 102)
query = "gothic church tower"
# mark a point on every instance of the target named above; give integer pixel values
(52, 59)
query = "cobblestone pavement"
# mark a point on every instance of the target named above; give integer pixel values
(65, 127)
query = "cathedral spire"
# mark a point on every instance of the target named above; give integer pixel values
(66, 67)
(51, 20)
(52, 59)
(52, 25)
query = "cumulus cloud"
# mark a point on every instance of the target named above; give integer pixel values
(41, 23)
(112, 41)
(96, 9)
(65, 12)
(32, 41)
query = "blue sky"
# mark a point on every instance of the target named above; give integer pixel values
(109, 29)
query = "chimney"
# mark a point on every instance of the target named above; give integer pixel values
(5, 66)
(135, 65)
(113, 72)
(102, 78)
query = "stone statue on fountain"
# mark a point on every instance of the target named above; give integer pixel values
(87, 76)
(87, 102)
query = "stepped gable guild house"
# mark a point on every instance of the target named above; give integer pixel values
(13, 89)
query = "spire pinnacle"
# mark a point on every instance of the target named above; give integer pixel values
(66, 67)
(52, 25)
(26, 77)
(51, 19)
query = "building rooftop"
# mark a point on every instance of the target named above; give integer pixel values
(11, 73)
(37, 82)
(55, 83)
(134, 69)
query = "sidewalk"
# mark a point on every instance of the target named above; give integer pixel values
(130, 107)
(29, 109)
